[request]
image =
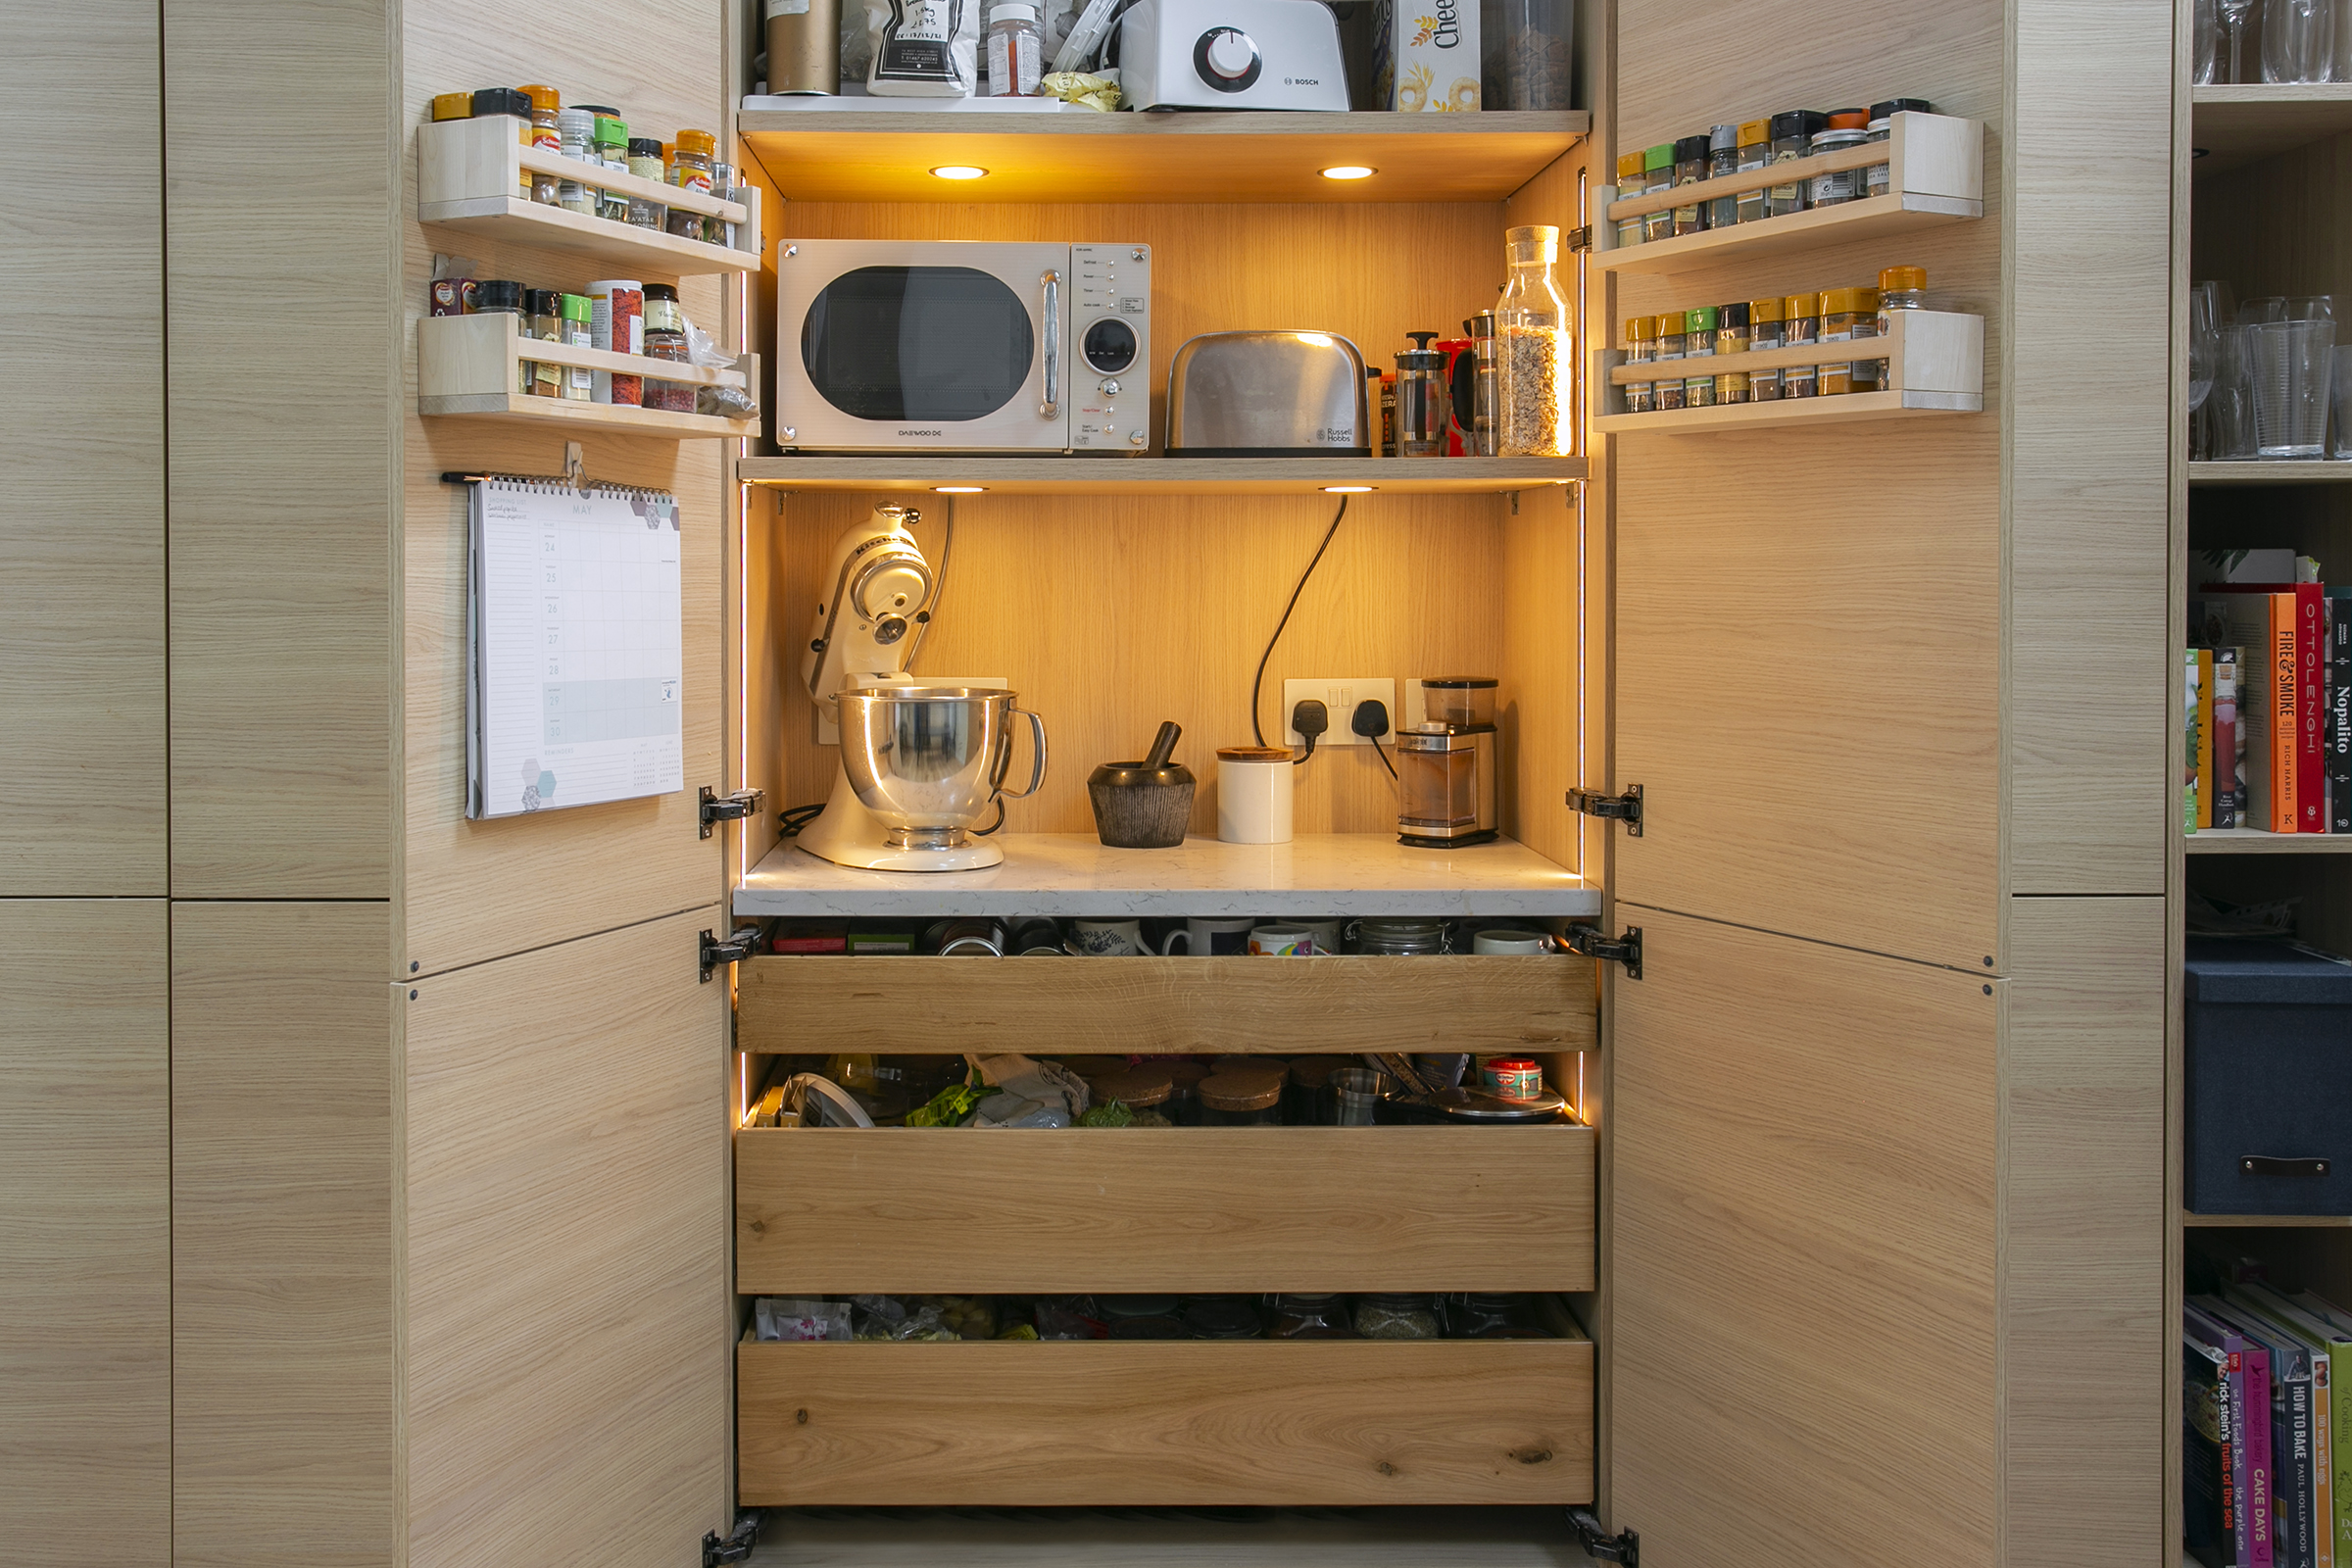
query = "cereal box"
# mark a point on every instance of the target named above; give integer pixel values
(1425, 54)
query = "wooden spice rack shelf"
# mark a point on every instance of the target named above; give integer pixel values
(471, 366)
(1055, 474)
(1935, 177)
(1935, 365)
(886, 155)
(469, 173)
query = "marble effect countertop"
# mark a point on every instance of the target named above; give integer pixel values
(1073, 874)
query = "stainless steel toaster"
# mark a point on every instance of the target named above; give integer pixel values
(1269, 395)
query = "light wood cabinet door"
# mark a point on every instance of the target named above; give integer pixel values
(566, 1206)
(85, 1233)
(1801, 1330)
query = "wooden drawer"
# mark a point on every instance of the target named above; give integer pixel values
(1296, 1422)
(1142, 1006)
(900, 1209)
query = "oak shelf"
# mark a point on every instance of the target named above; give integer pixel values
(468, 366)
(2315, 471)
(2255, 841)
(1935, 360)
(886, 155)
(1055, 474)
(2237, 123)
(2267, 1222)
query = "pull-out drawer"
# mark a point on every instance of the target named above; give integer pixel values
(1102, 1422)
(1145, 1004)
(840, 1210)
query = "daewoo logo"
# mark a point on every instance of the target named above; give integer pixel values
(923, 432)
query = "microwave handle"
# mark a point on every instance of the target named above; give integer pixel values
(1050, 405)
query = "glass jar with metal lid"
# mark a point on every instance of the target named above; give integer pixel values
(1493, 1315)
(1223, 1317)
(1397, 1316)
(1879, 179)
(1764, 333)
(1241, 1097)
(1141, 1317)
(1309, 1317)
(1698, 343)
(1413, 937)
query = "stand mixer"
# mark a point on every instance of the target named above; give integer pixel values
(922, 758)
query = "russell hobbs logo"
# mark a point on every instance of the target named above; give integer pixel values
(923, 432)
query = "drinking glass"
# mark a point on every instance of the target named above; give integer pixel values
(2229, 410)
(2298, 39)
(2208, 36)
(2341, 374)
(2233, 14)
(2204, 341)
(2310, 307)
(2291, 365)
(2270, 307)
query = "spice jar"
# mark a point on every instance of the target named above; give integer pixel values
(1400, 937)
(612, 152)
(579, 127)
(1723, 158)
(546, 104)
(1640, 348)
(1396, 1317)
(1764, 333)
(1755, 151)
(576, 310)
(1241, 1097)
(1670, 336)
(717, 230)
(690, 169)
(665, 339)
(1731, 337)
(1900, 288)
(1309, 1317)
(514, 104)
(1657, 175)
(645, 162)
(1689, 167)
(1698, 343)
(1793, 135)
(1223, 1317)
(1843, 185)
(1141, 1317)
(1879, 179)
(503, 296)
(1800, 328)
(616, 324)
(1629, 183)
(1840, 309)
(1496, 1315)
(544, 311)
(1534, 349)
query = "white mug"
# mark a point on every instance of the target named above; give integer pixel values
(1106, 939)
(1329, 935)
(1523, 942)
(1282, 942)
(1253, 795)
(1211, 937)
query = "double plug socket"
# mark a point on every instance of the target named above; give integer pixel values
(1340, 695)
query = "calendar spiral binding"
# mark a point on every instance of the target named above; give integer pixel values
(547, 485)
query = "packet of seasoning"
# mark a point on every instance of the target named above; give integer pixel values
(452, 292)
(727, 402)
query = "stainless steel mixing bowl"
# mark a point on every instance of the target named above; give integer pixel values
(928, 762)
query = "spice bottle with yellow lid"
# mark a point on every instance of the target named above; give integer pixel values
(1848, 314)
(1755, 152)
(453, 106)
(1698, 343)
(1800, 328)
(1900, 288)
(1764, 333)
(1630, 182)
(1640, 348)
(1668, 331)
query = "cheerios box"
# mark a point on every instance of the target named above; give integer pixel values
(1425, 54)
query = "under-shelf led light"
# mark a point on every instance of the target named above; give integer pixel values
(959, 171)
(1349, 172)
(1348, 489)
(958, 489)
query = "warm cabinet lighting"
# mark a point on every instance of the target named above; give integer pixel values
(1348, 489)
(1348, 172)
(957, 489)
(959, 171)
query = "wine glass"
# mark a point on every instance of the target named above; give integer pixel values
(2234, 15)
(2208, 32)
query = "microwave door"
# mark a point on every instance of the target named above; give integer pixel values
(939, 347)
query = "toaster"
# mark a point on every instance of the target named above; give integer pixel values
(1269, 395)
(1232, 54)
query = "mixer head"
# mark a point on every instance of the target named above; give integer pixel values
(878, 594)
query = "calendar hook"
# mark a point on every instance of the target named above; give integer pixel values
(575, 467)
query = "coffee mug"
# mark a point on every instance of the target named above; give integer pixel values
(1035, 937)
(1106, 939)
(1329, 935)
(1282, 942)
(1523, 943)
(1204, 939)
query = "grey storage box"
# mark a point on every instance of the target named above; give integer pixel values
(2269, 1107)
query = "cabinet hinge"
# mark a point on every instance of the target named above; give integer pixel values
(1579, 238)
(1625, 948)
(1626, 807)
(733, 807)
(739, 945)
(1601, 1546)
(737, 1548)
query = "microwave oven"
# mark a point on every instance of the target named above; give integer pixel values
(962, 346)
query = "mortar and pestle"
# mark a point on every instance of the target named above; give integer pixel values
(1146, 805)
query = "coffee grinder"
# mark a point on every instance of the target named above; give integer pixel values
(1447, 765)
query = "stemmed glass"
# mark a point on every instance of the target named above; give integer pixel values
(2233, 22)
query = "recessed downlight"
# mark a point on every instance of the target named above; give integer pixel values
(961, 171)
(1349, 172)
(958, 489)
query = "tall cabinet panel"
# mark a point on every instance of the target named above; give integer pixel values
(81, 623)
(86, 1243)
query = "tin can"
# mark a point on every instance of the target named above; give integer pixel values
(1512, 1077)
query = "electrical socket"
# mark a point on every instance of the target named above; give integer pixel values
(1339, 694)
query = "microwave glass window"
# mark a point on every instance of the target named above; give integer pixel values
(1110, 345)
(926, 343)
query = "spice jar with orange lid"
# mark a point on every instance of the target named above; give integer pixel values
(546, 133)
(1900, 288)
(690, 163)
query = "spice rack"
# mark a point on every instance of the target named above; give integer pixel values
(471, 366)
(467, 172)
(1936, 175)
(1935, 365)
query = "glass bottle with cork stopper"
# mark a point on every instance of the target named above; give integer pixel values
(1534, 349)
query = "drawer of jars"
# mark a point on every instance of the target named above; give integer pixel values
(928, 1211)
(1166, 1423)
(1483, 1004)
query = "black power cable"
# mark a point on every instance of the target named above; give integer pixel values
(1257, 681)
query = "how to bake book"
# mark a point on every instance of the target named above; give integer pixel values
(2330, 1351)
(2337, 1324)
(2248, 1378)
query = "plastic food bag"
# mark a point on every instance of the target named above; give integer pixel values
(923, 48)
(1023, 1078)
(781, 1317)
(887, 1317)
(1098, 90)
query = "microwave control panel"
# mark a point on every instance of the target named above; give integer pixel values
(1110, 347)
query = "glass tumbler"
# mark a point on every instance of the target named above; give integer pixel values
(2208, 26)
(2340, 446)
(2230, 407)
(1527, 47)
(2299, 40)
(2291, 365)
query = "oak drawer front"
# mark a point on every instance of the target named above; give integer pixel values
(1105, 1423)
(1146, 1005)
(919, 1210)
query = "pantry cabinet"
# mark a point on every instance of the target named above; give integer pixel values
(466, 1228)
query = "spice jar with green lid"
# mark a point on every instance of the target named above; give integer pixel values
(1395, 1316)
(1223, 1317)
(1698, 343)
(1657, 175)
(579, 383)
(1240, 1096)
(612, 148)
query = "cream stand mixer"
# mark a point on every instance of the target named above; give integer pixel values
(922, 758)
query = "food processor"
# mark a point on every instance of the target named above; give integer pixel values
(922, 758)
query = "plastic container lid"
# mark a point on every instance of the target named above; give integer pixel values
(1831, 140)
(645, 147)
(542, 302)
(580, 122)
(497, 294)
(544, 99)
(1802, 305)
(698, 142)
(1797, 123)
(1669, 325)
(1659, 157)
(1839, 302)
(1701, 318)
(1641, 327)
(610, 128)
(1849, 119)
(1902, 277)
(1752, 131)
(1015, 10)
(1733, 314)
(1895, 106)
(1764, 310)
(1690, 149)
(1629, 165)
(1722, 138)
(578, 308)
(606, 110)
(453, 106)
(661, 291)
(488, 101)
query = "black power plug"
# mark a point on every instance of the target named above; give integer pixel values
(1371, 719)
(1310, 719)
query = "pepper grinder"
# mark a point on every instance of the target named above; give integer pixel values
(1421, 398)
